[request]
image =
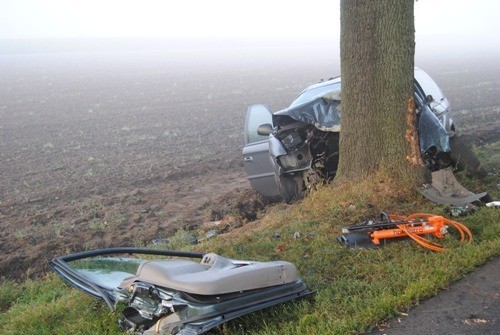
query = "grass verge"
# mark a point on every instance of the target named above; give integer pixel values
(356, 289)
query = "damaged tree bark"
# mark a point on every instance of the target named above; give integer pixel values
(414, 157)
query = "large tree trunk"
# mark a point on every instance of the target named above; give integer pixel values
(377, 48)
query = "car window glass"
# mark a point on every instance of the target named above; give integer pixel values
(257, 116)
(107, 272)
(315, 93)
(428, 85)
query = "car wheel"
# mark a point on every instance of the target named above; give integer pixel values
(291, 187)
(463, 158)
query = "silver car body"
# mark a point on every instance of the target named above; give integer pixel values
(319, 105)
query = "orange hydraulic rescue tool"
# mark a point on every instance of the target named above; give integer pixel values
(412, 226)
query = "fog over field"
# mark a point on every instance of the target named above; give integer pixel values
(117, 142)
(116, 104)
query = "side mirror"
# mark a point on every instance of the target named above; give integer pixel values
(265, 129)
(429, 98)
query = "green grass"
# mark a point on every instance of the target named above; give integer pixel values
(489, 155)
(356, 289)
(48, 306)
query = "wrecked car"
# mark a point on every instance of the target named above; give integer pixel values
(178, 295)
(291, 150)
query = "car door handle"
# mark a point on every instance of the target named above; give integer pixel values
(248, 159)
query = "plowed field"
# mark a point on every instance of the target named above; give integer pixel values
(123, 148)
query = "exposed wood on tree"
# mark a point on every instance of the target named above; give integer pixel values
(414, 157)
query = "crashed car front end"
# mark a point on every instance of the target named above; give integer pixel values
(304, 143)
(289, 158)
(306, 138)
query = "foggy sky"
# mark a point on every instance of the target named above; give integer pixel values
(439, 23)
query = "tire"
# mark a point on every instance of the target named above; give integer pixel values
(291, 187)
(463, 158)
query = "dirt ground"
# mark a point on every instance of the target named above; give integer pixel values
(124, 148)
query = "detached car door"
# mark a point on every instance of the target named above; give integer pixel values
(258, 164)
(99, 273)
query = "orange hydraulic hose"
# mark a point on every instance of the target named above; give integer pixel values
(462, 229)
(422, 241)
(465, 233)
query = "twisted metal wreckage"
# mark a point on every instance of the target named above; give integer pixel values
(289, 151)
(178, 296)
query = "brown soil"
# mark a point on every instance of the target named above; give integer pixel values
(120, 149)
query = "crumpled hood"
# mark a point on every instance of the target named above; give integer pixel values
(322, 112)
